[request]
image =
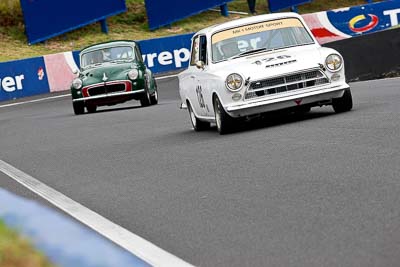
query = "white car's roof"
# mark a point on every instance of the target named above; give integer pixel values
(249, 20)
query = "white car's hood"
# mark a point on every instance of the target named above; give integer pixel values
(270, 64)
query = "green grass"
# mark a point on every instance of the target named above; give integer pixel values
(130, 25)
(16, 251)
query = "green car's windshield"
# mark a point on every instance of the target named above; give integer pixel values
(258, 37)
(109, 54)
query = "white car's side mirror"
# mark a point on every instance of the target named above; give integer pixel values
(200, 64)
(76, 71)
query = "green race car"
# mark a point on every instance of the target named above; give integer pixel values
(112, 73)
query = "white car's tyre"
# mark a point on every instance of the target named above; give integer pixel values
(344, 103)
(222, 119)
(302, 110)
(197, 124)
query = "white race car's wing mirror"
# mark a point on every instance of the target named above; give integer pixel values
(200, 64)
(76, 71)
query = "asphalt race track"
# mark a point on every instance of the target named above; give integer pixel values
(318, 190)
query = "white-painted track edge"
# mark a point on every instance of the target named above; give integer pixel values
(133, 243)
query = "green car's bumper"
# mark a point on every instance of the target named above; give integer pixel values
(106, 90)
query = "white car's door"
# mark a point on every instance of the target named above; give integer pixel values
(204, 86)
(197, 75)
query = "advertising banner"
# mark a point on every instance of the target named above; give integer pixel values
(366, 18)
(48, 18)
(329, 26)
(161, 13)
(166, 54)
(23, 78)
(276, 5)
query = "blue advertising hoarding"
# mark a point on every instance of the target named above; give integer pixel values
(161, 13)
(23, 78)
(168, 53)
(276, 5)
(366, 18)
(48, 18)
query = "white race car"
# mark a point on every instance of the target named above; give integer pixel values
(258, 64)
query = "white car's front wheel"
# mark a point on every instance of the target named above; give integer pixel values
(197, 124)
(222, 119)
(344, 103)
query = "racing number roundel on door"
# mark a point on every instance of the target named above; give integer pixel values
(200, 96)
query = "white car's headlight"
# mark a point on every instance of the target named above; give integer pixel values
(77, 83)
(334, 62)
(133, 74)
(234, 82)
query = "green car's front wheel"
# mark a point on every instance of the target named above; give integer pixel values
(79, 108)
(91, 108)
(145, 100)
(154, 97)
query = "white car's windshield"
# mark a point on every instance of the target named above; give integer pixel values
(110, 54)
(257, 37)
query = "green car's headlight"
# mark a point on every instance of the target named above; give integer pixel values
(234, 82)
(133, 74)
(334, 62)
(77, 83)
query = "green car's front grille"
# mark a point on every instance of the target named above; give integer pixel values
(100, 90)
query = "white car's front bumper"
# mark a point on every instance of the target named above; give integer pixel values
(285, 100)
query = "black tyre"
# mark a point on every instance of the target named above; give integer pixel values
(344, 103)
(91, 108)
(197, 124)
(303, 109)
(145, 100)
(222, 119)
(154, 97)
(79, 108)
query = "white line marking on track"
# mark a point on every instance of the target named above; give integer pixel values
(33, 101)
(140, 247)
(65, 95)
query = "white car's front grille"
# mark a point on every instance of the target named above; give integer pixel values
(301, 80)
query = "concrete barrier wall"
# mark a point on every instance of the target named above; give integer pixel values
(53, 73)
(370, 56)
